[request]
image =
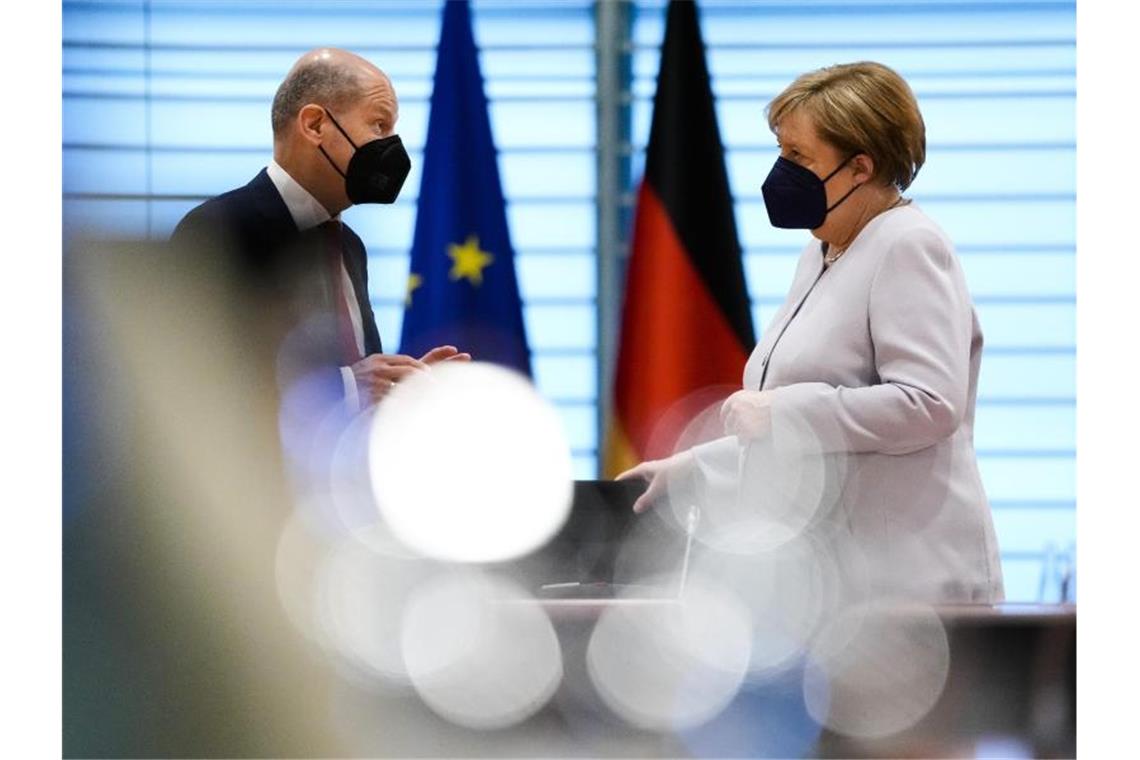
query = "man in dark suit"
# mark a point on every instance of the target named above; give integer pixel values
(299, 270)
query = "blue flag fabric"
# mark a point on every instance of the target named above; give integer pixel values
(462, 288)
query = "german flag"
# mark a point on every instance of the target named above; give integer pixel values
(686, 323)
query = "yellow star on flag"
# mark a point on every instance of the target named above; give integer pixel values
(469, 260)
(414, 281)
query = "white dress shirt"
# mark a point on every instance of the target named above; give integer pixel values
(307, 212)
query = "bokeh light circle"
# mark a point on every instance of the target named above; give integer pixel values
(478, 651)
(470, 464)
(671, 664)
(360, 596)
(788, 591)
(877, 668)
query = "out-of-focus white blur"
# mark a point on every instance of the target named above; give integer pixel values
(877, 668)
(470, 464)
(477, 653)
(359, 596)
(671, 665)
(350, 501)
(754, 496)
(786, 481)
(712, 485)
(1002, 748)
(788, 591)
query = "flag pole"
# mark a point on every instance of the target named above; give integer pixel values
(613, 124)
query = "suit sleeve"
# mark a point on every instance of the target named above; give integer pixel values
(920, 322)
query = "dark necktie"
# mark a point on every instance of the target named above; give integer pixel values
(334, 254)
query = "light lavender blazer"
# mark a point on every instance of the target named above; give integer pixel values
(878, 356)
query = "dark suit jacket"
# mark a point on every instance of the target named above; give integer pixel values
(276, 286)
(252, 231)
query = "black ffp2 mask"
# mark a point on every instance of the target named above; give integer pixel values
(796, 198)
(377, 169)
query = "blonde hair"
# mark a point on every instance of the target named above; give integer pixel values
(862, 107)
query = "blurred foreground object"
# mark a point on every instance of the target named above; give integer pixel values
(212, 609)
(174, 495)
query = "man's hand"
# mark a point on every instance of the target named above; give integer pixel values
(444, 354)
(747, 414)
(377, 374)
(657, 473)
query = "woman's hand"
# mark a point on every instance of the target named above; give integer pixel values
(747, 414)
(657, 472)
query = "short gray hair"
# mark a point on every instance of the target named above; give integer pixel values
(332, 85)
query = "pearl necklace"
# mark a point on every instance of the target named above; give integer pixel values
(832, 256)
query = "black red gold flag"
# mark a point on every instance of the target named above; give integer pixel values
(686, 321)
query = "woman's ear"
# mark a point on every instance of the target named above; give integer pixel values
(864, 167)
(310, 122)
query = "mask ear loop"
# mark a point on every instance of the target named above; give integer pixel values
(336, 124)
(848, 193)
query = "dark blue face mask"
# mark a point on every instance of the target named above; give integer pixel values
(796, 198)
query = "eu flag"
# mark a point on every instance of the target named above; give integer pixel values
(462, 288)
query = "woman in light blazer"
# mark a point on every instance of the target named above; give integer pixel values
(875, 351)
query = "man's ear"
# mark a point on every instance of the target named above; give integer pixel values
(864, 167)
(311, 123)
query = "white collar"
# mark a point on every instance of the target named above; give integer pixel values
(307, 211)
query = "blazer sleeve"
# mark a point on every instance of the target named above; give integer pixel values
(920, 324)
(717, 461)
